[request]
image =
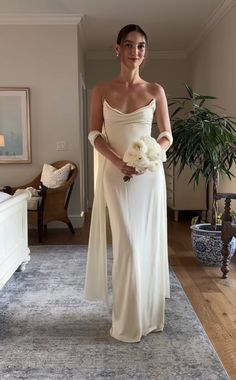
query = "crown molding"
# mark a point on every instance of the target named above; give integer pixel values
(82, 37)
(40, 19)
(212, 21)
(110, 55)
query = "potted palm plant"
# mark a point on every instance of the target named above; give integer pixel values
(206, 142)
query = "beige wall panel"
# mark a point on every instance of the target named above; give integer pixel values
(47, 59)
(213, 72)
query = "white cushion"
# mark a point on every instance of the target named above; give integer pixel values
(4, 196)
(33, 203)
(52, 177)
(30, 190)
(34, 199)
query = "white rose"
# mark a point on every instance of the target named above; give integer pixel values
(140, 146)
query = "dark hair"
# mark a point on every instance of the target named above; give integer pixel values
(128, 29)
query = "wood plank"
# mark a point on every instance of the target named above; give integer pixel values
(225, 312)
(201, 306)
(217, 335)
(184, 276)
(228, 291)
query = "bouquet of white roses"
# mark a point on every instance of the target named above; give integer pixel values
(144, 154)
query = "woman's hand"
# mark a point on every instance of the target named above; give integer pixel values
(128, 171)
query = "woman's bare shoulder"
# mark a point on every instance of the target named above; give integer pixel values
(102, 88)
(156, 90)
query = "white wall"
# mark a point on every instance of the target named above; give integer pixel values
(212, 64)
(213, 72)
(47, 59)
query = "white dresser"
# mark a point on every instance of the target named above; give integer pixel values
(182, 195)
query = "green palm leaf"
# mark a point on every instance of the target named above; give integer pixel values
(202, 139)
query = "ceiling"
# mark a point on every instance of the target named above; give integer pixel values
(171, 25)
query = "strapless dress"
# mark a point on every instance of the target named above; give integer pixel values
(137, 213)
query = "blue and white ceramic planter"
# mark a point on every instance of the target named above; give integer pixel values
(207, 244)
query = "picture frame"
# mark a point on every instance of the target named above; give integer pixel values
(15, 128)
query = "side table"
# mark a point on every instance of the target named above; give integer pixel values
(228, 230)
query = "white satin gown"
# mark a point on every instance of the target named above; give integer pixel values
(137, 213)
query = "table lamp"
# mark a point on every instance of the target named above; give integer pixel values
(2, 141)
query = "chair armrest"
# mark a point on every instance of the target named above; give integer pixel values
(35, 184)
(226, 196)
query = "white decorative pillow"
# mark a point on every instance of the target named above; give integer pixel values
(52, 177)
(4, 196)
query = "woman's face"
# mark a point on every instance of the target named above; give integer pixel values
(132, 50)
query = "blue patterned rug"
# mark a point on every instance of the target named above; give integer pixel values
(48, 331)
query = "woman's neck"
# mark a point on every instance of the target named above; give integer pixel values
(129, 77)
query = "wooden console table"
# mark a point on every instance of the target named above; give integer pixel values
(228, 230)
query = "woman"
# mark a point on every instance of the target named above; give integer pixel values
(122, 112)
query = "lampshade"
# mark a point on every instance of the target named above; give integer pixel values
(2, 140)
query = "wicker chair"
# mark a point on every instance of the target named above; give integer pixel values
(54, 202)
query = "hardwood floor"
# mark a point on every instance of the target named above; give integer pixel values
(213, 298)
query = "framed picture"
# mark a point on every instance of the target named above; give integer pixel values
(15, 131)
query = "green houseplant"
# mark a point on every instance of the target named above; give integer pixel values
(203, 140)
